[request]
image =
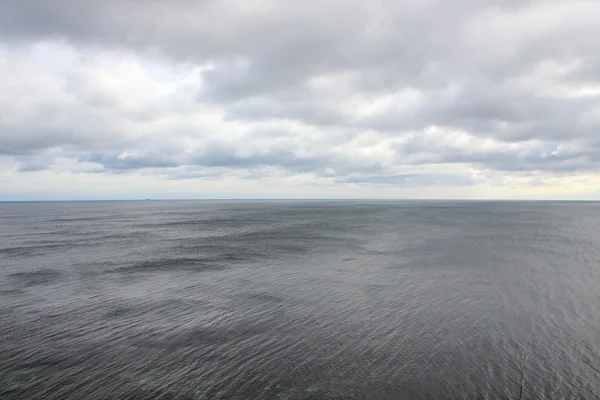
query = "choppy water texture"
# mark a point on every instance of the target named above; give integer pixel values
(299, 300)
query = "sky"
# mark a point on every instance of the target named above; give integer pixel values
(410, 99)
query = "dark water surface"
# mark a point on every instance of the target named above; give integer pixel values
(299, 300)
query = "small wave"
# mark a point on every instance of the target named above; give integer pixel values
(264, 297)
(19, 251)
(126, 310)
(173, 265)
(84, 219)
(196, 336)
(37, 277)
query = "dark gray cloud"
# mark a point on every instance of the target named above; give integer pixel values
(411, 180)
(32, 167)
(115, 162)
(41, 135)
(507, 113)
(224, 156)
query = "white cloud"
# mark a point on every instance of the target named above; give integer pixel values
(320, 99)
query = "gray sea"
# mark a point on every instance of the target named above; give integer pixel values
(299, 300)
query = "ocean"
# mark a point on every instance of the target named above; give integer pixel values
(299, 300)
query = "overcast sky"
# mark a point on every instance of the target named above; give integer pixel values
(299, 99)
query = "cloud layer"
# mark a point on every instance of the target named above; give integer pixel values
(195, 98)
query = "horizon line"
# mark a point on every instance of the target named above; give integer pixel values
(298, 199)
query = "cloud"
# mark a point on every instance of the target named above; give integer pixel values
(411, 94)
(33, 167)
